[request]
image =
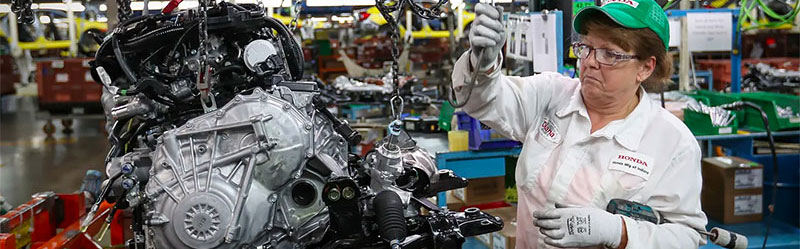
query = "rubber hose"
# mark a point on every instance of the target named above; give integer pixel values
(389, 211)
(121, 60)
(294, 54)
(154, 38)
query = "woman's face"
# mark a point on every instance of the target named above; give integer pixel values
(603, 82)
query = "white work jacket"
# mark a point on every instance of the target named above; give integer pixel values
(649, 157)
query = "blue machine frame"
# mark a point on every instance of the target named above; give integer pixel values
(736, 51)
(474, 164)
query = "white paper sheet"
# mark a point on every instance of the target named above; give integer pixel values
(523, 43)
(511, 36)
(674, 32)
(542, 36)
(710, 31)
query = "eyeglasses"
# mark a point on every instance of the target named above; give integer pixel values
(601, 55)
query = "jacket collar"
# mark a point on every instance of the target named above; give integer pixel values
(627, 132)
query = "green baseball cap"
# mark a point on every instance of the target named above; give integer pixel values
(635, 14)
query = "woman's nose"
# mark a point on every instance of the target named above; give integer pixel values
(590, 60)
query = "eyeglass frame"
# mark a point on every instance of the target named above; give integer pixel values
(618, 57)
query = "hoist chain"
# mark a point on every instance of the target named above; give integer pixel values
(386, 10)
(124, 10)
(296, 8)
(22, 9)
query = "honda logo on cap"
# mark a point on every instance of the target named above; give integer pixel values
(628, 2)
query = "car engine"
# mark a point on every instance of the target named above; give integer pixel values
(216, 142)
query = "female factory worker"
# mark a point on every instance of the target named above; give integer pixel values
(590, 140)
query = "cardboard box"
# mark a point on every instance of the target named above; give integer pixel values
(485, 239)
(454, 203)
(506, 238)
(732, 189)
(482, 190)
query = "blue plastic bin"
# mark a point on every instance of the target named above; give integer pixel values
(481, 136)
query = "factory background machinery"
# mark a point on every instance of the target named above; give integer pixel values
(331, 124)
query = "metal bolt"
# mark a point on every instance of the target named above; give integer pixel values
(201, 149)
(348, 193)
(286, 107)
(127, 168)
(308, 126)
(165, 165)
(334, 194)
(128, 183)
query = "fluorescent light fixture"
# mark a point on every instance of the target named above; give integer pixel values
(342, 19)
(272, 3)
(189, 5)
(76, 7)
(337, 3)
(5, 8)
(44, 19)
(152, 5)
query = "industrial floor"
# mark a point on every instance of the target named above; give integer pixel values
(32, 162)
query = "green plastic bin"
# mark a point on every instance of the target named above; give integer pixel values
(719, 98)
(700, 124)
(700, 98)
(768, 102)
(445, 116)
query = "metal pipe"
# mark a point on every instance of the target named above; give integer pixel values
(73, 45)
(683, 70)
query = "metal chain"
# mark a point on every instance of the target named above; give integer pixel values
(204, 76)
(22, 9)
(124, 10)
(296, 8)
(386, 11)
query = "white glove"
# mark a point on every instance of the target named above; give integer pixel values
(487, 34)
(578, 227)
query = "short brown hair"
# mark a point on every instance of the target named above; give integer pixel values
(643, 42)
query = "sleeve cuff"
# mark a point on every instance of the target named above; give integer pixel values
(632, 228)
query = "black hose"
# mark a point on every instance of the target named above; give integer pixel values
(154, 38)
(469, 86)
(103, 193)
(775, 167)
(294, 54)
(178, 43)
(121, 59)
(389, 211)
(231, 68)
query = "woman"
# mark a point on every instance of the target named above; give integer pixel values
(595, 139)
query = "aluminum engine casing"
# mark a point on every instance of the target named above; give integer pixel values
(266, 136)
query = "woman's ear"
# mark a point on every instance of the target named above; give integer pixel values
(646, 68)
